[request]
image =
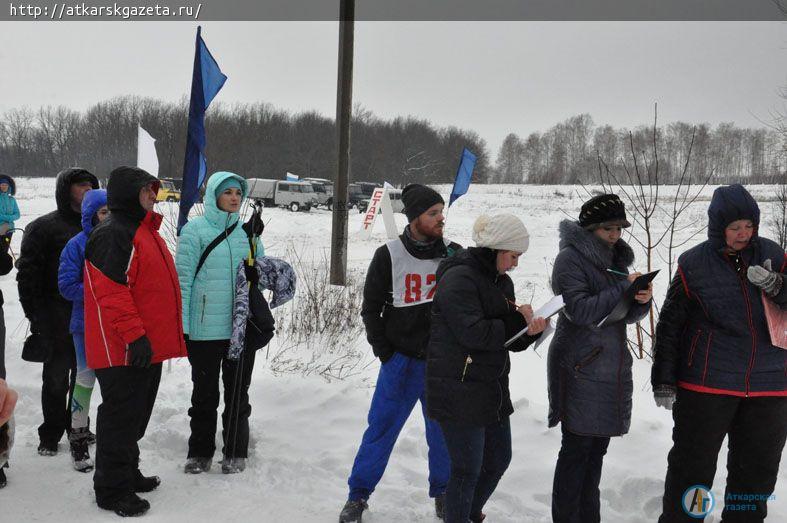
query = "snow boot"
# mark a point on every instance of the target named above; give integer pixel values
(439, 506)
(145, 483)
(130, 505)
(197, 465)
(233, 465)
(353, 511)
(78, 440)
(3, 480)
(47, 449)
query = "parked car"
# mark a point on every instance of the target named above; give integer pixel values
(167, 191)
(323, 191)
(293, 195)
(395, 195)
(367, 188)
(356, 198)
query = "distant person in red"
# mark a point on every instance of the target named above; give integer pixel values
(132, 324)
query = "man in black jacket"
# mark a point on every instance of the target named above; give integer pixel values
(396, 310)
(49, 313)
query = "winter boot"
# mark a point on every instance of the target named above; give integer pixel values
(439, 506)
(128, 506)
(3, 480)
(145, 483)
(78, 440)
(233, 465)
(353, 511)
(197, 465)
(47, 449)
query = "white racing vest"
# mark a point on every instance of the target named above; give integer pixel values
(412, 279)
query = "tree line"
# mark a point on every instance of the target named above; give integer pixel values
(258, 140)
(254, 140)
(576, 150)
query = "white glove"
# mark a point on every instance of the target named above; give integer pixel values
(664, 395)
(764, 278)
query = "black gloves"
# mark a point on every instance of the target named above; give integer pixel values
(251, 275)
(140, 353)
(254, 225)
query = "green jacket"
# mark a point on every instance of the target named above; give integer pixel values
(208, 296)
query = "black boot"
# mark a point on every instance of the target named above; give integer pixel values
(145, 483)
(3, 481)
(353, 511)
(128, 506)
(78, 440)
(439, 506)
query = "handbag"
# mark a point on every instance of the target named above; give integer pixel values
(260, 323)
(777, 322)
(36, 349)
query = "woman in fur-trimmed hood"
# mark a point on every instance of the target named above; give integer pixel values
(589, 367)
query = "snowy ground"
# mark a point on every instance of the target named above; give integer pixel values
(305, 430)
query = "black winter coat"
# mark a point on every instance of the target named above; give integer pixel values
(390, 329)
(39, 259)
(467, 364)
(712, 334)
(589, 368)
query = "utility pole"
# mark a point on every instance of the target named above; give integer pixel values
(344, 100)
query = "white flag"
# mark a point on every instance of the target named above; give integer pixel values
(146, 152)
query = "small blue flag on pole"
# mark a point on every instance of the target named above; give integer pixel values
(206, 82)
(463, 175)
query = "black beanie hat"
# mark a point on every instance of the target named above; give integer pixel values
(417, 199)
(602, 209)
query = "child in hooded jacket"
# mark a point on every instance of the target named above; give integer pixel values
(71, 287)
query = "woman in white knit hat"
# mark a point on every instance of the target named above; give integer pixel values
(473, 314)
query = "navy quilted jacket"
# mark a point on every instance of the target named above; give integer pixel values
(712, 334)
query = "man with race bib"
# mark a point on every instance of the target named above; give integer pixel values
(396, 310)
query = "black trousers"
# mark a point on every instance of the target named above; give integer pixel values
(128, 395)
(57, 387)
(575, 493)
(207, 358)
(756, 428)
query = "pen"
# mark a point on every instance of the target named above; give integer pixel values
(617, 272)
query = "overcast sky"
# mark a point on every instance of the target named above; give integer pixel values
(492, 77)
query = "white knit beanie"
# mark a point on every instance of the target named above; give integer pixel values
(502, 232)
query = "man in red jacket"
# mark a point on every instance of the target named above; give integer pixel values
(132, 324)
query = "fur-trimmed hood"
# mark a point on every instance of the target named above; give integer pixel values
(593, 249)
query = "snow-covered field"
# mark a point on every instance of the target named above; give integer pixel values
(305, 430)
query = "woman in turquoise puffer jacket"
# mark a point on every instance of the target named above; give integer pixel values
(208, 296)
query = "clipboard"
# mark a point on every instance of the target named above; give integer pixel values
(622, 308)
(546, 311)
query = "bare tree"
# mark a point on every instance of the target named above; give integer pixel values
(642, 189)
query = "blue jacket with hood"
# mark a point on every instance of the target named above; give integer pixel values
(712, 335)
(9, 210)
(72, 260)
(208, 296)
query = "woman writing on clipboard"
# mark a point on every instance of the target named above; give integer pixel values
(473, 315)
(589, 367)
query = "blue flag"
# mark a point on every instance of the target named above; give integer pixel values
(463, 175)
(206, 82)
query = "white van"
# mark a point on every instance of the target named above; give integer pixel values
(293, 195)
